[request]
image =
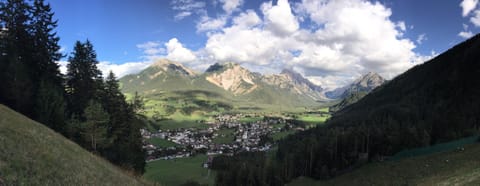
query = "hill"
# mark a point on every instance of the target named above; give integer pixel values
(32, 154)
(446, 168)
(431, 103)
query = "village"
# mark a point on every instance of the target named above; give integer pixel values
(246, 137)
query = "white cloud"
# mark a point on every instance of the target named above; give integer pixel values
(177, 52)
(230, 6)
(279, 18)
(352, 37)
(182, 15)
(421, 38)
(476, 18)
(186, 8)
(247, 19)
(120, 70)
(465, 34)
(468, 6)
(211, 24)
(151, 48)
(63, 66)
(402, 26)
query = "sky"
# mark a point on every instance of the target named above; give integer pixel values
(331, 42)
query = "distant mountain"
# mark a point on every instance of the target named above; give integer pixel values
(295, 83)
(365, 83)
(358, 89)
(230, 81)
(336, 93)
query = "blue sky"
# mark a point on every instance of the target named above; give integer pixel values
(267, 36)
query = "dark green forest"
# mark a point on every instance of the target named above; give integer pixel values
(434, 102)
(82, 105)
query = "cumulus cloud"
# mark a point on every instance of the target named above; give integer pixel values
(421, 38)
(351, 37)
(468, 6)
(279, 18)
(120, 70)
(230, 6)
(177, 52)
(475, 19)
(465, 34)
(207, 23)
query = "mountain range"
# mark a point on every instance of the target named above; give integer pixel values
(233, 83)
(230, 82)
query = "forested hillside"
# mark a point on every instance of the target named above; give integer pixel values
(81, 105)
(435, 102)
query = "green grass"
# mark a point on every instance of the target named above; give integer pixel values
(313, 118)
(435, 148)
(162, 143)
(179, 171)
(445, 168)
(32, 154)
(228, 136)
(280, 135)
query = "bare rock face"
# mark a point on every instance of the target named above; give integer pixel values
(366, 83)
(295, 82)
(164, 66)
(232, 77)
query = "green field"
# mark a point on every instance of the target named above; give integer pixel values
(179, 171)
(445, 168)
(162, 143)
(442, 147)
(225, 136)
(280, 135)
(32, 154)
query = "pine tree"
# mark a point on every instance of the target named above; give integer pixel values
(83, 79)
(124, 129)
(49, 104)
(94, 129)
(17, 88)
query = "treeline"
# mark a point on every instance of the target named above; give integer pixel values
(435, 102)
(81, 105)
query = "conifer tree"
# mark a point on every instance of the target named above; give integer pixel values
(83, 79)
(94, 129)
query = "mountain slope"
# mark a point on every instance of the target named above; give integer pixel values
(446, 168)
(358, 89)
(32, 154)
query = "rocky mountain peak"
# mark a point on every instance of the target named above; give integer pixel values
(370, 80)
(169, 66)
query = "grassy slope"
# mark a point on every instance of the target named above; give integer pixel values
(179, 171)
(447, 168)
(32, 154)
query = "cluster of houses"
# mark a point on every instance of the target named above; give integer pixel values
(247, 137)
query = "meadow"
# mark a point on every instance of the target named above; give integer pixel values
(179, 171)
